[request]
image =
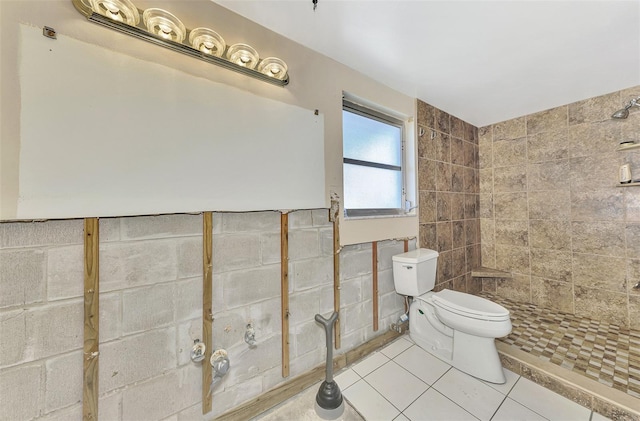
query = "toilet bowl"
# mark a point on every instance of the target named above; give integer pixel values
(458, 328)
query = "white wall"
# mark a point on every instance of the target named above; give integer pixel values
(316, 83)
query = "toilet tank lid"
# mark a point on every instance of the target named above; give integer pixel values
(415, 256)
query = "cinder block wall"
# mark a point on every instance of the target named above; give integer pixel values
(151, 306)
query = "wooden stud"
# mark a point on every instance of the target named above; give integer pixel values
(374, 269)
(336, 280)
(406, 246)
(91, 319)
(207, 308)
(284, 292)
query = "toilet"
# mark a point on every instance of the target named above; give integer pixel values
(458, 328)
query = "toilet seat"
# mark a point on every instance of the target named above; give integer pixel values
(468, 305)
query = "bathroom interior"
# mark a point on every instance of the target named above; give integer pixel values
(206, 209)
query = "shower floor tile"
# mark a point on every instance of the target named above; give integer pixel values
(599, 351)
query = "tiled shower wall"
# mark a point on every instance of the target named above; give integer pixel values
(151, 306)
(552, 212)
(449, 195)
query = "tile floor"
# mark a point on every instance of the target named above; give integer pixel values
(600, 351)
(403, 382)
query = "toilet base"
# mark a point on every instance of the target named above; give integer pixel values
(474, 355)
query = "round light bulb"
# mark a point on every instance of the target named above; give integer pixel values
(164, 24)
(273, 67)
(207, 41)
(119, 10)
(243, 55)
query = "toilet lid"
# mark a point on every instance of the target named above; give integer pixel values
(469, 305)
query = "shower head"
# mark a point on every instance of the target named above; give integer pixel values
(624, 113)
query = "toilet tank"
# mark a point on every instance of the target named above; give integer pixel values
(414, 272)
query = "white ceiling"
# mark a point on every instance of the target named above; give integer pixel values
(482, 61)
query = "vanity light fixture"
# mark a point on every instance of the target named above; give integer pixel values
(162, 28)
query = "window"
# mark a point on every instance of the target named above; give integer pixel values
(372, 162)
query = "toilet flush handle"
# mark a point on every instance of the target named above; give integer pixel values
(407, 266)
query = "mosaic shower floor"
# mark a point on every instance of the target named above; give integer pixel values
(599, 351)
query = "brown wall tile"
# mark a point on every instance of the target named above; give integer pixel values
(600, 272)
(457, 151)
(457, 206)
(444, 236)
(594, 138)
(428, 236)
(552, 294)
(602, 305)
(510, 205)
(510, 129)
(443, 147)
(552, 204)
(550, 234)
(546, 121)
(457, 178)
(595, 109)
(443, 206)
(550, 175)
(443, 176)
(551, 264)
(598, 238)
(427, 174)
(548, 146)
(471, 206)
(428, 205)
(517, 289)
(426, 143)
(442, 121)
(594, 172)
(510, 152)
(597, 205)
(510, 232)
(512, 259)
(426, 114)
(510, 179)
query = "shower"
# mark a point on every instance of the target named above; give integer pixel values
(624, 113)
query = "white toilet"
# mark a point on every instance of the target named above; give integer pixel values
(458, 328)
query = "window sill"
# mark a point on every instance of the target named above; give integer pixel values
(405, 215)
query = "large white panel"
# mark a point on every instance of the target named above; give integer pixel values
(106, 134)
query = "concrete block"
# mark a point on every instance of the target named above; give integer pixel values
(326, 241)
(272, 377)
(304, 305)
(250, 286)
(135, 358)
(63, 385)
(110, 407)
(164, 395)
(188, 299)
(367, 287)
(230, 397)
(354, 263)
(266, 318)
(22, 278)
(306, 362)
(308, 336)
(188, 332)
(147, 308)
(26, 234)
(229, 329)
(270, 248)
(110, 316)
(161, 226)
(385, 281)
(13, 334)
(320, 218)
(65, 272)
(303, 244)
(386, 250)
(391, 304)
(357, 316)
(311, 273)
(55, 329)
(70, 413)
(247, 363)
(250, 221)
(325, 298)
(352, 339)
(300, 219)
(20, 393)
(235, 251)
(218, 291)
(109, 229)
(190, 257)
(192, 413)
(137, 263)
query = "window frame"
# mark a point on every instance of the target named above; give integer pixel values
(373, 114)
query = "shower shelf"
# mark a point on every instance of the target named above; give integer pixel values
(628, 147)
